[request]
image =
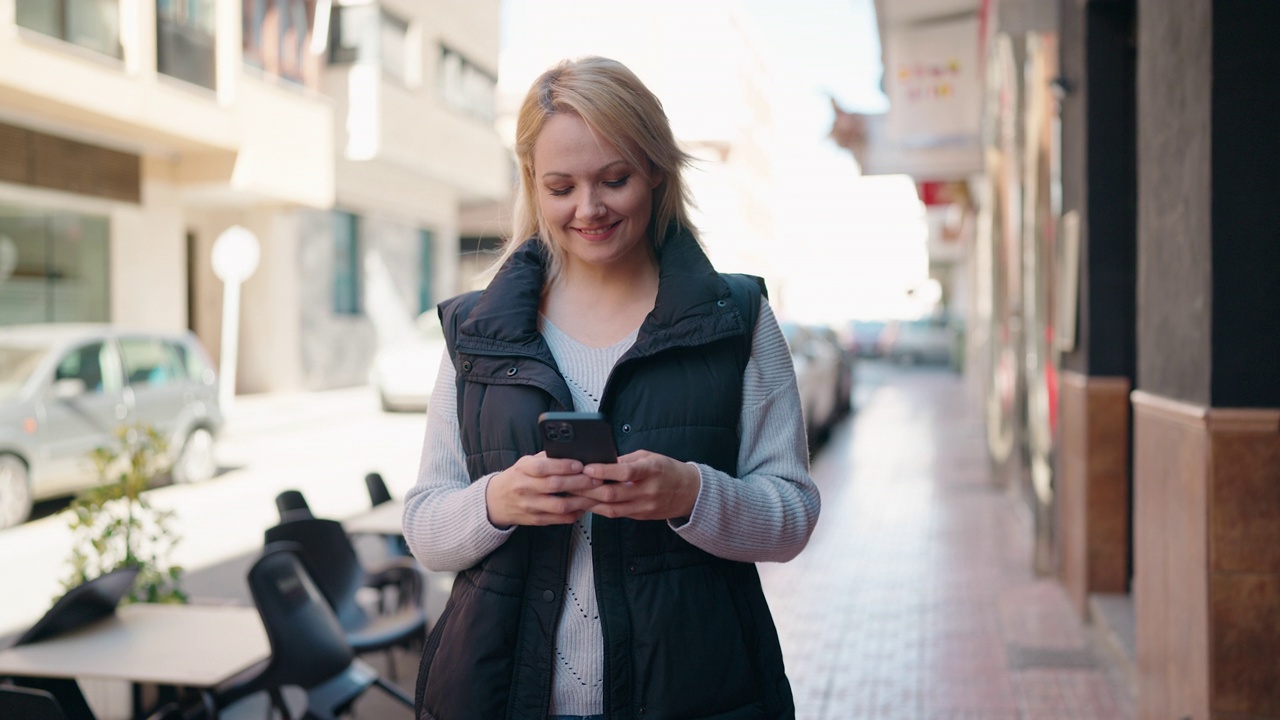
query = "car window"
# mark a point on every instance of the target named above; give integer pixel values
(151, 362)
(16, 366)
(84, 363)
(191, 361)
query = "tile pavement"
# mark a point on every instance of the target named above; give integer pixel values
(916, 598)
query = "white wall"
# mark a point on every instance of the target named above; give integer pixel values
(148, 261)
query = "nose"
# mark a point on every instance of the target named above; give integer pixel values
(592, 205)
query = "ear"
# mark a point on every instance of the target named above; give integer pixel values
(656, 179)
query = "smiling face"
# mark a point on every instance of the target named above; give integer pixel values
(594, 203)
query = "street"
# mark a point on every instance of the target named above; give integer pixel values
(320, 443)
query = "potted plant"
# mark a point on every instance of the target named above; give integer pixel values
(114, 524)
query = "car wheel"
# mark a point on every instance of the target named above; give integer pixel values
(195, 462)
(15, 491)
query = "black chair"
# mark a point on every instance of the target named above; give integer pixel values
(88, 602)
(292, 504)
(380, 495)
(400, 618)
(22, 703)
(308, 649)
(378, 492)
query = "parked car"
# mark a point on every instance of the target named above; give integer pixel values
(848, 369)
(864, 337)
(65, 389)
(404, 373)
(817, 365)
(931, 341)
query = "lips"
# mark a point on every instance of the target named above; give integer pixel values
(599, 233)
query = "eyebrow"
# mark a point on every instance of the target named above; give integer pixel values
(554, 173)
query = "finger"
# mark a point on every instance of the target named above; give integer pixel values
(610, 493)
(613, 472)
(542, 466)
(557, 510)
(636, 510)
(561, 484)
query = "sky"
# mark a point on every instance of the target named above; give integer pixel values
(836, 233)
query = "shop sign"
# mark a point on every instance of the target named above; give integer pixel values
(934, 83)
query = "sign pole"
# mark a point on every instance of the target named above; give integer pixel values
(235, 257)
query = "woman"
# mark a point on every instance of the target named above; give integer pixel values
(624, 589)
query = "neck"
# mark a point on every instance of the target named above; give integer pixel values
(599, 305)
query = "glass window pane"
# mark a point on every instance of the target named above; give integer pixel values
(150, 362)
(43, 16)
(76, 269)
(53, 266)
(346, 264)
(185, 40)
(426, 244)
(356, 31)
(192, 363)
(84, 364)
(277, 38)
(392, 46)
(94, 24)
(465, 86)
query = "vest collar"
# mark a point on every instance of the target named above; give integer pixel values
(693, 304)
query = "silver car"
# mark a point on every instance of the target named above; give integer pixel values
(66, 388)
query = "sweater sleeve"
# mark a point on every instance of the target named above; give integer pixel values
(769, 512)
(446, 518)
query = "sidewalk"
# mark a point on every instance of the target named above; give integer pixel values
(916, 598)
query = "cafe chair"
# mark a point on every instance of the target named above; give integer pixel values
(308, 646)
(380, 495)
(20, 703)
(398, 618)
(83, 604)
(377, 487)
(89, 601)
(291, 504)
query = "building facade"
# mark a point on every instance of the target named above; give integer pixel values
(1127, 272)
(345, 136)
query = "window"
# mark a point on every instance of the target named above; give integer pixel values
(150, 362)
(277, 39)
(53, 266)
(193, 361)
(84, 364)
(92, 24)
(185, 41)
(346, 263)
(465, 86)
(370, 34)
(426, 248)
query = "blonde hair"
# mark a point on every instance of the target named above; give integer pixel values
(617, 106)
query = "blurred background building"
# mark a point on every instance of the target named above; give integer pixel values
(346, 136)
(1094, 172)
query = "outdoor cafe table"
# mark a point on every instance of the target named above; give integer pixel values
(192, 646)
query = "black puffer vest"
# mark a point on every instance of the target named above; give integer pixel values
(686, 634)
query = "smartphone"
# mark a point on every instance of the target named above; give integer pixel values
(585, 437)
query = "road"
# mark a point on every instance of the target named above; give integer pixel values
(320, 443)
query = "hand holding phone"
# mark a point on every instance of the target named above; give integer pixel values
(585, 437)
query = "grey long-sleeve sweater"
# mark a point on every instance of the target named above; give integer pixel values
(766, 514)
